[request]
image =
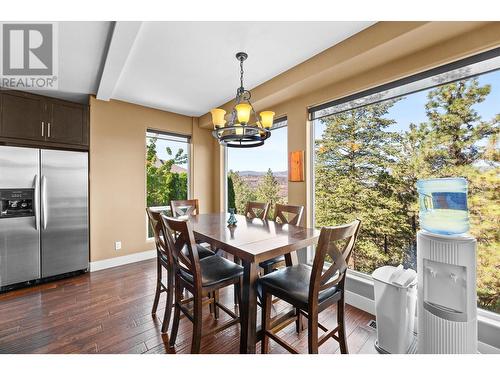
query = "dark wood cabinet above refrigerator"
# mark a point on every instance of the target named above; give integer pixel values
(34, 120)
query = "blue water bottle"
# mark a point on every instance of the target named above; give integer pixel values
(443, 205)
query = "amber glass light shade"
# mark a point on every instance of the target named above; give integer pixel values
(218, 117)
(266, 119)
(243, 112)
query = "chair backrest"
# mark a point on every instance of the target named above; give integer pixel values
(288, 214)
(154, 214)
(185, 207)
(184, 239)
(257, 210)
(338, 243)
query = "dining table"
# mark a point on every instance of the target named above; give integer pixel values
(252, 241)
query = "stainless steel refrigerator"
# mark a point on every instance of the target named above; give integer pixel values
(43, 213)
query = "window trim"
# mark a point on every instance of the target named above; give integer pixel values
(224, 176)
(167, 134)
(280, 122)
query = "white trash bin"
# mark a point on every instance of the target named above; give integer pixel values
(395, 301)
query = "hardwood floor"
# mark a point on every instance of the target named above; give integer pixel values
(109, 311)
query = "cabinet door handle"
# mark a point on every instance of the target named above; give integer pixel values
(48, 129)
(42, 128)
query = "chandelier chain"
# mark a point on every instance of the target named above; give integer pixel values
(241, 75)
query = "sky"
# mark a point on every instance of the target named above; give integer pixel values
(273, 154)
(162, 144)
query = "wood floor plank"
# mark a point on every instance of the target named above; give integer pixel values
(109, 311)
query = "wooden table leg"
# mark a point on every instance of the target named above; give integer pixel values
(248, 338)
(290, 260)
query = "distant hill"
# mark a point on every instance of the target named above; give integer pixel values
(178, 169)
(175, 168)
(258, 174)
(253, 179)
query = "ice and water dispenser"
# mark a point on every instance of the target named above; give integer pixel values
(446, 268)
(17, 203)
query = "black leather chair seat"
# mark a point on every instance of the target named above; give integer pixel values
(294, 282)
(215, 270)
(203, 252)
(270, 262)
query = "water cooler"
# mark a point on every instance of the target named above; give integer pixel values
(447, 303)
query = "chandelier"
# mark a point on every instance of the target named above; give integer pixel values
(238, 132)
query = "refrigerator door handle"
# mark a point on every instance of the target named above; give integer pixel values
(37, 201)
(44, 202)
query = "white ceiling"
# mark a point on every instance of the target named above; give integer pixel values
(184, 67)
(81, 55)
(189, 67)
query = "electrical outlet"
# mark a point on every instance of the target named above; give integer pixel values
(118, 245)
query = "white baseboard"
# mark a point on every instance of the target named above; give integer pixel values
(120, 261)
(360, 302)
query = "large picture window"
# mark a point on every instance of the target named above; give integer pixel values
(259, 174)
(370, 151)
(167, 169)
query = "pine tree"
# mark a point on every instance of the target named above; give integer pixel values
(484, 205)
(455, 126)
(242, 192)
(268, 191)
(410, 166)
(354, 158)
(231, 200)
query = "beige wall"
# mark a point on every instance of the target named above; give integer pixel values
(117, 172)
(202, 163)
(382, 53)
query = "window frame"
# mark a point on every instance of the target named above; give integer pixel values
(489, 60)
(175, 137)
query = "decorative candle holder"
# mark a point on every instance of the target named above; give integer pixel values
(231, 222)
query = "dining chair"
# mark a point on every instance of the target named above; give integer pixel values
(253, 210)
(257, 210)
(188, 207)
(165, 261)
(312, 289)
(283, 214)
(184, 207)
(201, 277)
